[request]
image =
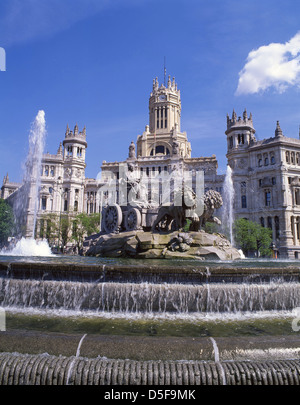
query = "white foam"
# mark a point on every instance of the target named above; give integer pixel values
(29, 247)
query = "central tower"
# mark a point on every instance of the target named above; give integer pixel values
(163, 135)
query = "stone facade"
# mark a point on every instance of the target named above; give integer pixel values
(266, 177)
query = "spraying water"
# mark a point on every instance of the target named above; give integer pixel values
(34, 161)
(26, 203)
(228, 197)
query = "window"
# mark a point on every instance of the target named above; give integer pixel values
(268, 199)
(272, 160)
(293, 158)
(287, 157)
(244, 201)
(66, 205)
(273, 181)
(46, 170)
(160, 149)
(262, 221)
(259, 162)
(241, 139)
(277, 228)
(266, 161)
(260, 182)
(44, 203)
(231, 142)
(297, 197)
(76, 205)
(269, 219)
(52, 171)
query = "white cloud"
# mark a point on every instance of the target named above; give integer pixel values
(275, 65)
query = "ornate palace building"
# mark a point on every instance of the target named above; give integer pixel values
(265, 172)
(266, 177)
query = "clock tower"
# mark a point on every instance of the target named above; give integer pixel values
(163, 131)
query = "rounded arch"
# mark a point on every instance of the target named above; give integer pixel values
(159, 148)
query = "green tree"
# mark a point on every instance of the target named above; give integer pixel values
(85, 225)
(252, 237)
(6, 221)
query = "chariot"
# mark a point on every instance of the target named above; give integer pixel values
(116, 218)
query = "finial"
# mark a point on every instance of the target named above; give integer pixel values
(234, 116)
(278, 131)
(67, 129)
(59, 150)
(169, 82)
(245, 115)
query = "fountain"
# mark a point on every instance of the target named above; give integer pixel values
(27, 197)
(228, 198)
(108, 321)
(88, 320)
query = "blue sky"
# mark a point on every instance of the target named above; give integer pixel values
(92, 62)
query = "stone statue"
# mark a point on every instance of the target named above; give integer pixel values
(131, 154)
(212, 201)
(175, 147)
(174, 217)
(137, 193)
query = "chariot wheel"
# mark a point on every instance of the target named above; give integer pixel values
(112, 218)
(133, 219)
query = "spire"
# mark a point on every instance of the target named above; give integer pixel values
(60, 150)
(6, 179)
(67, 130)
(76, 130)
(169, 82)
(278, 131)
(234, 116)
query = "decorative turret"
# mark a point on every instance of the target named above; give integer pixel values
(239, 122)
(164, 124)
(79, 136)
(74, 143)
(164, 107)
(240, 131)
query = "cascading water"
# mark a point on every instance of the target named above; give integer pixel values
(26, 202)
(228, 198)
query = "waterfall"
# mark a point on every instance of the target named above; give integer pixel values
(149, 298)
(228, 198)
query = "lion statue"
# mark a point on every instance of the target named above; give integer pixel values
(212, 200)
(173, 217)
